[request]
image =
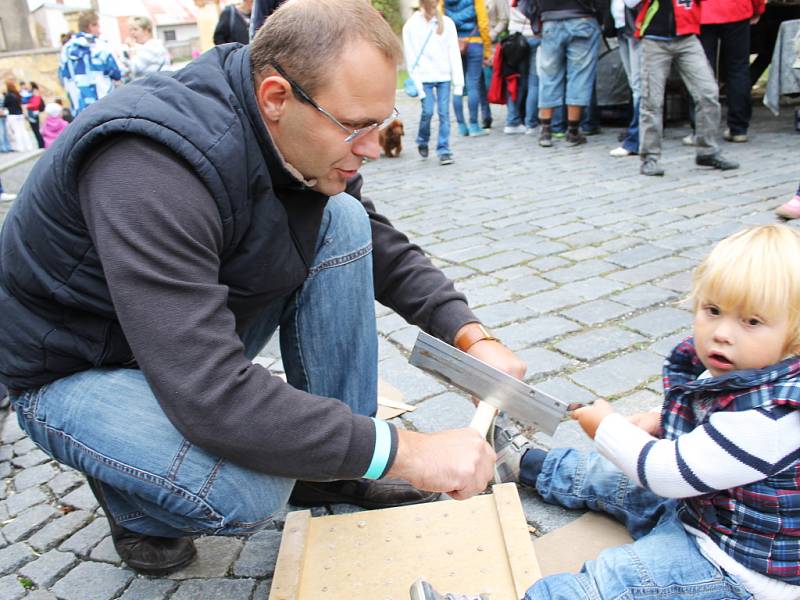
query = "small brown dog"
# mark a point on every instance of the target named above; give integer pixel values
(391, 138)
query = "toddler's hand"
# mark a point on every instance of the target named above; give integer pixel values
(589, 417)
(649, 421)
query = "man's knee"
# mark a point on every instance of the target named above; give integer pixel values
(348, 218)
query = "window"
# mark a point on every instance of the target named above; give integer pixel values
(169, 35)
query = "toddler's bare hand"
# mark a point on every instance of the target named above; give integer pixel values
(590, 417)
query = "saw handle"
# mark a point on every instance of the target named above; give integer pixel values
(483, 417)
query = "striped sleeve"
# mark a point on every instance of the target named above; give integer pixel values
(732, 449)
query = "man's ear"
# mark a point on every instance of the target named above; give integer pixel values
(272, 94)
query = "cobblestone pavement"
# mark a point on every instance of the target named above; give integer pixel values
(575, 260)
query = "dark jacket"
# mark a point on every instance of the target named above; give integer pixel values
(231, 27)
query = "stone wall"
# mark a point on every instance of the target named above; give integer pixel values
(39, 65)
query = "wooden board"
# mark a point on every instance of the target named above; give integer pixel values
(478, 545)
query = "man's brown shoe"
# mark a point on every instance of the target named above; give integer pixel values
(146, 554)
(366, 493)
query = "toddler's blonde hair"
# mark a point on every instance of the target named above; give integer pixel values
(755, 271)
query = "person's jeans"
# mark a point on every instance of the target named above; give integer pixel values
(5, 146)
(630, 53)
(472, 61)
(734, 46)
(568, 54)
(528, 95)
(106, 422)
(437, 93)
(663, 561)
(693, 67)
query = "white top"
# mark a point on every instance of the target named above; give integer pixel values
(149, 57)
(756, 444)
(519, 23)
(441, 60)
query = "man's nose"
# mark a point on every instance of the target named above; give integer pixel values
(368, 146)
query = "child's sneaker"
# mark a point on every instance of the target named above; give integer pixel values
(422, 590)
(475, 130)
(789, 210)
(463, 129)
(514, 129)
(545, 137)
(510, 446)
(559, 135)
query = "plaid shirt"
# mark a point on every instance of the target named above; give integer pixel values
(757, 524)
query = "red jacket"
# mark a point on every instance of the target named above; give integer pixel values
(730, 11)
(687, 17)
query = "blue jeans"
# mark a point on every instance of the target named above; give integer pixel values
(5, 145)
(662, 562)
(528, 92)
(568, 53)
(472, 61)
(107, 423)
(438, 93)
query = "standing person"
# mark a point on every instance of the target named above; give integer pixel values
(725, 32)
(132, 312)
(54, 123)
(19, 133)
(668, 30)
(88, 69)
(430, 43)
(630, 53)
(261, 10)
(708, 487)
(568, 53)
(5, 145)
(146, 53)
(234, 24)
(33, 109)
(472, 24)
(522, 114)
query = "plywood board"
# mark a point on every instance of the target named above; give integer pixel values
(478, 545)
(568, 547)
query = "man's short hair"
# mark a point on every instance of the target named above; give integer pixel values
(142, 23)
(307, 37)
(86, 19)
(754, 271)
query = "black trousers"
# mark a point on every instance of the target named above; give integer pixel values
(730, 42)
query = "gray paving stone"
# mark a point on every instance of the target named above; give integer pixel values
(23, 446)
(106, 582)
(59, 529)
(544, 517)
(27, 521)
(14, 556)
(640, 401)
(414, 383)
(30, 459)
(48, 567)
(390, 323)
(11, 588)
(541, 362)
(149, 589)
(595, 343)
(680, 282)
(447, 411)
(82, 542)
(258, 556)
(81, 498)
(105, 552)
(6, 453)
(34, 476)
(565, 390)
(621, 374)
(11, 431)
(215, 589)
(527, 285)
(665, 346)
(652, 271)
(638, 255)
(581, 270)
(570, 435)
(65, 481)
(644, 296)
(534, 331)
(496, 315)
(488, 296)
(548, 263)
(5, 469)
(17, 503)
(215, 555)
(660, 322)
(262, 590)
(41, 595)
(573, 293)
(596, 312)
(500, 260)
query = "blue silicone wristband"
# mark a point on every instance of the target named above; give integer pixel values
(383, 447)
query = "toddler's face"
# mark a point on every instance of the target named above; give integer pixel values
(728, 340)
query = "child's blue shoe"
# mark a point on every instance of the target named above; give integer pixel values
(475, 130)
(463, 130)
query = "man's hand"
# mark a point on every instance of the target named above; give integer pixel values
(589, 417)
(755, 19)
(649, 421)
(458, 461)
(495, 354)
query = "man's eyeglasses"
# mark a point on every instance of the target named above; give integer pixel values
(352, 134)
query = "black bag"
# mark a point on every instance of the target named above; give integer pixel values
(602, 9)
(516, 52)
